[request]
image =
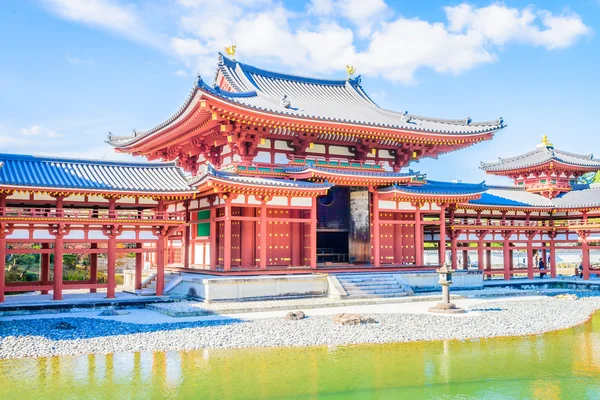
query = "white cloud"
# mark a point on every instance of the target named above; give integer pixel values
(181, 73)
(499, 25)
(39, 131)
(112, 15)
(324, 38)
(78, 61)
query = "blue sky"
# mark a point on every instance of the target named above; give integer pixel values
(71, 70)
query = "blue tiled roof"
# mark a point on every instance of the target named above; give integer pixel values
(251, 180)
(439, 188)
(70, 173)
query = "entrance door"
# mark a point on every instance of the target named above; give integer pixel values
(333, 226)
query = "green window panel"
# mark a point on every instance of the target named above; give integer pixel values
(203, 228)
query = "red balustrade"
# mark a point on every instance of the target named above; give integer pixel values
(79, 213)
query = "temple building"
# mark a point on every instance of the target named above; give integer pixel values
(269, 173)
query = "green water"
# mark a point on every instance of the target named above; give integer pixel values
(559, 365)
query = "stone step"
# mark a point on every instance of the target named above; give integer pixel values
(368, 280)
(375, 292)
(367, 287)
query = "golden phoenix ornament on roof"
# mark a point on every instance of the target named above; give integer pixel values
(350, 70)
(230, 50)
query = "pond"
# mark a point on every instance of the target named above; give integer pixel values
(558, 365)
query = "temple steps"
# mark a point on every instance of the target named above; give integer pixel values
(373, 285)
(149, 286)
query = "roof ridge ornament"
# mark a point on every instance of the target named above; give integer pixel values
(405, 117)
(350, 70)
(230, 50)
(546, 143)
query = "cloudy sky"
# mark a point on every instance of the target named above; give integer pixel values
(73, 70)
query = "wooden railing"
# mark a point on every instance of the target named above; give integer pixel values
(79, 213)
(522, 223)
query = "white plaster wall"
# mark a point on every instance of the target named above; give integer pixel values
(318, 148)
(270, 286)
(278, 201)
(301, 201)
(387, 205)
(340, 151)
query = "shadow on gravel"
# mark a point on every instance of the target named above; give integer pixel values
(87, 328)
(487, 309)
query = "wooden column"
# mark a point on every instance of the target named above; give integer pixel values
(313, 234)
(2, 261)
(398, 253)
(465, 259)
(139, 266)
(376, 237)
(442, 245)
(160, 263)
(480, 249)
(488, 257)
(45, 267)
(506, 255)
(93, 267)
(530, 265)
(111, 261)
(585, 255)
(248, 239)
(3, 234)
(453, 243)
(418, 236)
(186, 235)
(214, 251)
(296, 240)
(263, 234)
(552, 262)
(58, 266)
(227, 236)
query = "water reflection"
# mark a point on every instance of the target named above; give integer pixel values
(552, 366)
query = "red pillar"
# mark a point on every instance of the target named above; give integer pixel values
(480, 249)
(45, 267)
(530, 257)
(376, 246)
(552, 262)
(506, 256)
(248, 239)
(186, 235)
(313, 234)
(418, 237)
(160, 264)
(58, 266)
(442, 246)
(2, 261)
(488, 257)
(296, 240)
(465, 259)
(111, 265)
(214, 251)
(263, 234)
(585, 258)
(227, 237)
(139, 264)
(397, 240)
(93, 267)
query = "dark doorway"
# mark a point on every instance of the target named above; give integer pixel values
(333, 212)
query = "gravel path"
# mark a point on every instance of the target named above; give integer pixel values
(61, 336)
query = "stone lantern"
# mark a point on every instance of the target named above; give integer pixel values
(445, 306)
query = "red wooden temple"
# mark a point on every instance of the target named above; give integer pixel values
(264, 172)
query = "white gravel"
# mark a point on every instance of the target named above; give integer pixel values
(60, 336)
